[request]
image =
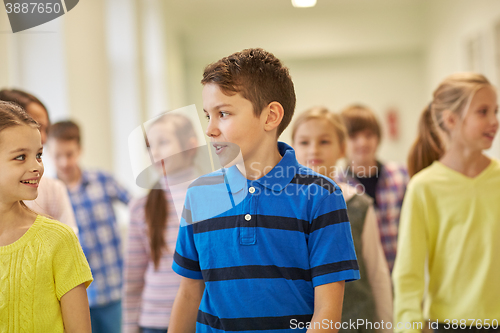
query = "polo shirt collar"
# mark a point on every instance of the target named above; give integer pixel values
(276, 179)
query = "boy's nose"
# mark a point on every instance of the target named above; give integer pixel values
(212, 129)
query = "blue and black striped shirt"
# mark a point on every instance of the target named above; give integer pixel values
(261, 246)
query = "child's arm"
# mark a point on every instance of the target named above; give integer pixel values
(186, 304)
(116, 191)
(377, 269)
(328, 300)
(135, 264)
(75, 310)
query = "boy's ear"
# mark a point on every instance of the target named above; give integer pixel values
(274, 112)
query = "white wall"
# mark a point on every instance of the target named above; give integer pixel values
(451, 24)
(379, 81)
(338, 53)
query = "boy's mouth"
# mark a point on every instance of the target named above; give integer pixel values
(490, 136)
(31, 182)
(219, 148)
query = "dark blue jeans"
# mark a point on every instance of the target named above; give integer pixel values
(106, 319)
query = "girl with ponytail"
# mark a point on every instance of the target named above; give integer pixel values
(150, 284)
(450, 220)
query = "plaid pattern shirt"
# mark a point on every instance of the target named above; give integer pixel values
(100, 237)
(391, 187)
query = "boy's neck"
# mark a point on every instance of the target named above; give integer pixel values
(365, 170)
(467, 162)
(71, 180)
(261, 163)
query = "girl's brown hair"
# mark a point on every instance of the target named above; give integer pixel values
(454, 94)
(22, 98)
(156, 209)
(322, 113)
(12, 114)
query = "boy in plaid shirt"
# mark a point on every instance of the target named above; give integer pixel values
(92, 194)
(384, 182)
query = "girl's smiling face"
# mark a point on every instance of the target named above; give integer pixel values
(20, 162)
(480, 123)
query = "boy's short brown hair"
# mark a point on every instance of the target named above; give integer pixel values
(259, 76)
(358, 118)
(65, 130)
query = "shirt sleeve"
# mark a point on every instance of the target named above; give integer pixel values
(116, 191)
(377, 269)
(186, 262)
(332, 257)
(135, 266)
(65, 213)
(69, 265)
(408, 273)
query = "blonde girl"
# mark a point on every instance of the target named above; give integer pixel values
(450, 221)
(319, 140)
(43, 271)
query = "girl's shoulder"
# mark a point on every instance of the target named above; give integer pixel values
(54, 232)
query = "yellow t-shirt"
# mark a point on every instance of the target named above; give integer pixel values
(451, 224)
(35, 272)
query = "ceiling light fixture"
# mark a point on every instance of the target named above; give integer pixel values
(304, 3)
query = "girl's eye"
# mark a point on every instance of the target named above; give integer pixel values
(20, 157)
(224, 114)
(303, 143)
(207, 117)
(325, 142)
(483, 111)
(39, 156)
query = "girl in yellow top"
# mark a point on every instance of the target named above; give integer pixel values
(450, 220)
(43, 271)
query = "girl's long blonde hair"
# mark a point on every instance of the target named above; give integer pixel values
(454, 94)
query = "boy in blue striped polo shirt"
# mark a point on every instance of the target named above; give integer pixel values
(265, 243)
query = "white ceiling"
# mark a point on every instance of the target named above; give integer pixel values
(210, 29)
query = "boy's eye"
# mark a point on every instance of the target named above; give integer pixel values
(325, 142)
(39, 156)
(207, 116)
(303, 143)
(224, 114)
(20, 157)
(483, 111)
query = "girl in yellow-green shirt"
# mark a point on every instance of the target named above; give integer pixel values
(43, 271)
(448, 246)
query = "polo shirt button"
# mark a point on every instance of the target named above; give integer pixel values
(248, 217)
(251, 189)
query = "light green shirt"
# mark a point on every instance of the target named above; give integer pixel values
(450, 227)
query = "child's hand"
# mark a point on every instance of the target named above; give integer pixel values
(75, 311)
